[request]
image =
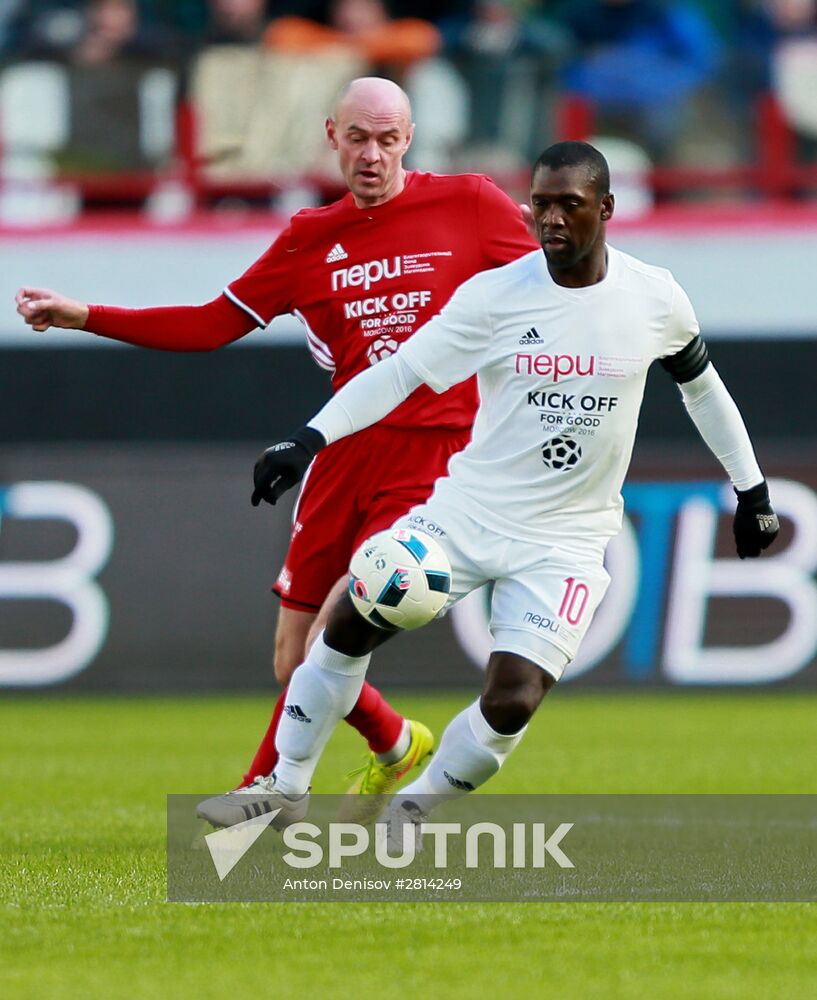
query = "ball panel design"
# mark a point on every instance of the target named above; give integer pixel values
(395, 590)
(399, 579)
(438, 582)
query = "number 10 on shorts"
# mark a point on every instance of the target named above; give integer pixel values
(574, 601)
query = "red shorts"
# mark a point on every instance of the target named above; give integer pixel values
(355, 487)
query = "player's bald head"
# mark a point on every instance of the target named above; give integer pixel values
(372, 95)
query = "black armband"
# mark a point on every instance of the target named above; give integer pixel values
(688, 363)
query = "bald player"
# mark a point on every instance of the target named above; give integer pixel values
(361, 274)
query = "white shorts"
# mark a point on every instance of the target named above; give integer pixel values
(545, 593)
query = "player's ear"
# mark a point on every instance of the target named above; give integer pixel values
(608, 205)
(331, 133)
(410, 135)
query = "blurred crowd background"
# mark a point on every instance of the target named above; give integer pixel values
(150, 150)
(180, 102)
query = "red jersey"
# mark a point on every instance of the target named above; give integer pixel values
(362, 280)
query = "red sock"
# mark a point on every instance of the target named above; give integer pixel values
(266, 756)
(375, 720)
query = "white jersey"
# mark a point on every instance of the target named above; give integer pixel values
(561, 375)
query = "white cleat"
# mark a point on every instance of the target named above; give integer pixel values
(255, 799)
(403, 818)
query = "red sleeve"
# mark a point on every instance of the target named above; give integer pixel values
(268, 288)
(264, 291)
(172, 328)
(503, 235)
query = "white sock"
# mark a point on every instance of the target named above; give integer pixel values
(470, 752)
(400, 748)
(323, 690)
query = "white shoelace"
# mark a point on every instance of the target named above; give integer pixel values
(261, 783)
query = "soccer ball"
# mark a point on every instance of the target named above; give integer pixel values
(399, 579)
(381, 348)
(561, 453)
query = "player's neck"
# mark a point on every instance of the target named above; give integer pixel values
(390, 193)
(589, 271)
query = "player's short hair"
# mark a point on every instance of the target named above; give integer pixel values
(577, 154)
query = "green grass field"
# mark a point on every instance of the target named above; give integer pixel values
(82, 861)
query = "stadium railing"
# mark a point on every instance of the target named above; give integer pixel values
(775, 175)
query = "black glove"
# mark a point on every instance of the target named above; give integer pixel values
(755, 525)
(284, 464)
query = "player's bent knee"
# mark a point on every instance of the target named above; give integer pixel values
(508, 712)
(348, 632)
(284, 666)
(290, 642)
(514, 688)
(320, 622)
(533, 648)
(288, 655)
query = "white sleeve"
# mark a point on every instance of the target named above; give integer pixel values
(682, 323)
(366, 398)
(446, 350)
(452, 346)
(715, 414)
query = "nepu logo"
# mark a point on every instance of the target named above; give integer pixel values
(367, 274)
(557, 365)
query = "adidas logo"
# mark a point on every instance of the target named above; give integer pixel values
(531, 337)
(464, 786)
(297, 713)
(335, 254)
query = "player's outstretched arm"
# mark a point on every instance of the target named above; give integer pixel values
(41, 308)
(164, 328)
(364, 400)
(718, 420)
(447, 350)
